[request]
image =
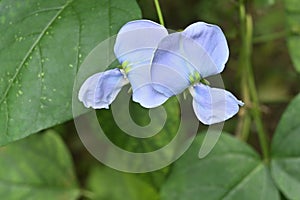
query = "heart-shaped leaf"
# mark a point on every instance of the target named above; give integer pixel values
(41, 47)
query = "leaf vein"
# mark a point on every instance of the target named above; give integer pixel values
(18, 69)
(239, 182)
(45, 10)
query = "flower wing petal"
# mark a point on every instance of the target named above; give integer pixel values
(176, 59)
(137, 40)
(213, 105)
(143, 91)
(170, 69)
(213, 40)
(101, 89)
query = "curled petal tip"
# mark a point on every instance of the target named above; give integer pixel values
(213, 105)
(241, 103)
(101, 89)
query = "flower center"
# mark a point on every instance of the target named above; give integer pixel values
(195, 78)
(126, 66)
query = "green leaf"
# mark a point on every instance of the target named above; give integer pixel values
(286, 152)
(142, 121)
(293, 17)
(231, 171)
(38, 167)
(109, 184)
(41, 47)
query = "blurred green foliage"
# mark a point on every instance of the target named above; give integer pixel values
(38, 167)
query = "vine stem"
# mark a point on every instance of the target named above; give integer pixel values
(159, 13)
(256, 105)
(248, 83)
(243, 128)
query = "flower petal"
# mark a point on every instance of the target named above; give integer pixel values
(101, 89)
(175, 60)
(136, 43)
(148, 97)
(141, 84)
(137, 40)
(213, 40)
(213, 105)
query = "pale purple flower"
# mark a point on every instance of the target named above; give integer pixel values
(158, 66)
(134, 48)
(182, 60)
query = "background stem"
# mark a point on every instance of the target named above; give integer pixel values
(159, 13)
(254, 96)
(249, 90)
(243, 128)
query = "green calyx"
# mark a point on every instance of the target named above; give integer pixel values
(194, 77)
(204, 81)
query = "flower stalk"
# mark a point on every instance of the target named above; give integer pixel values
(159, 13)
(249, 91)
